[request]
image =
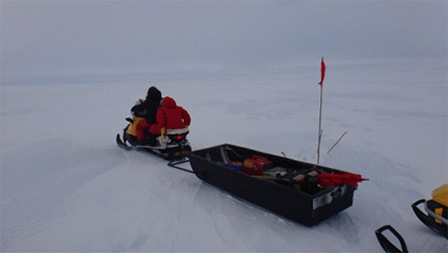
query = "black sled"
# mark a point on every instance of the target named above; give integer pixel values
(174, 146)
(304, 202)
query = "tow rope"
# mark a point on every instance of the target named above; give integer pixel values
(175, 164)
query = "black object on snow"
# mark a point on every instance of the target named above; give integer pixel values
(386, 244)
(307, 205)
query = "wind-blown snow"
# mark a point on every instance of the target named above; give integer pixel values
(66, 186)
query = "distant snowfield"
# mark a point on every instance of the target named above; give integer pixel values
(66, 186)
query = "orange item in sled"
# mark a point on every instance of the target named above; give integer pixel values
(256, 165)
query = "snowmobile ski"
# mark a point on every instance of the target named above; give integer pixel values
(432, 220)
(436, 216)
(121, 144)
(386, 244)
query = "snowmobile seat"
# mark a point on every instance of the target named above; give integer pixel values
(177, 131)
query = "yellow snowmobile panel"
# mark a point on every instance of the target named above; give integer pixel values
(131, 129)
(440, 195)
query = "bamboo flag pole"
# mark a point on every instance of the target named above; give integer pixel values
(336, 143)
(321, 83)
(319, 134)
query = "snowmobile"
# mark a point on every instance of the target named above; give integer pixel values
(436, 218)
(173, 145)
(436, 209)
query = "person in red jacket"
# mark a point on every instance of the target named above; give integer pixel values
(170, 116)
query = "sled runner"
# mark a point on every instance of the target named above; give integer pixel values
(284, 186)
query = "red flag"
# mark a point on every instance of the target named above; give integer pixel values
(322, 71)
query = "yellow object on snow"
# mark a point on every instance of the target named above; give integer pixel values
(440, 195)
(132, 127)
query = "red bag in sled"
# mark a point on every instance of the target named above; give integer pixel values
(256, 165)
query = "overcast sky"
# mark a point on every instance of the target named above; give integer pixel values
(44, 38)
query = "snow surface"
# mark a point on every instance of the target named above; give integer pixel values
(66, 186)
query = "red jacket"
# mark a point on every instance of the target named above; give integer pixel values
(170, 116)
